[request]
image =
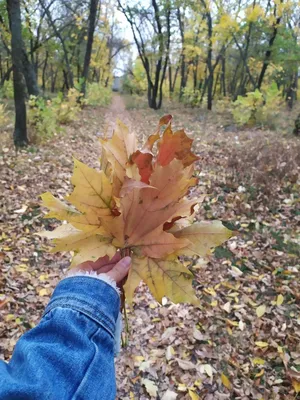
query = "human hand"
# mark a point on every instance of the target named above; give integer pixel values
(117, 268)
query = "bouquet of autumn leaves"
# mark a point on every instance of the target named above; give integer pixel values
(136, 204)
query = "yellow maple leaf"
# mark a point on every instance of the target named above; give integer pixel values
(260, 310)
(164, 278)
(225, 381)
(296, 385)
(203, 236)
(59, 210)
(261, 344)
(118, 150)
(136, 203)
(92, 192)
(279, 300)
(258, 361)
(193, 395)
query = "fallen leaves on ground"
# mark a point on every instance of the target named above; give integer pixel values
(259, 266)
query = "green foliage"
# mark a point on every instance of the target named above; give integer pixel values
(246, 108)
(67, 109)
(42, 117)
(224, 105)
(3, 115)
(46, 116)
(98, 95)
(136, 81)
(7, 90)
(258, 108)
(191, 97)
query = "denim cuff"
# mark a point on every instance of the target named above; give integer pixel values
(93, 297)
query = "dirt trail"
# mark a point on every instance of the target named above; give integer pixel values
(116, 111)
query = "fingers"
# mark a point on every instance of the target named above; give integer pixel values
(103, 267)
(120, 270)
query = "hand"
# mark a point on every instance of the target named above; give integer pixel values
(117, 268)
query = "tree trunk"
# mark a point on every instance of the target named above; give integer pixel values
(183, 79)
(66, 82)
(20, 131)
(89, 44)
(210, 69)
(224, 75)
(44, 72)
(269, 51)
(69, 72)
(29, 74)
(6, 76)
(291, 94)
(170, 80)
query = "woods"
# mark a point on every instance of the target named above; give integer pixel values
(53, 47)
(202, 54)
(216, 50)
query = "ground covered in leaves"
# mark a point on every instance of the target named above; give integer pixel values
(243, 342)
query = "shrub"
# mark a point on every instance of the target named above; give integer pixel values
(67, 109)
(3, 115)
(246, 109)
(42, 117)
(258, 108)
(224, 105)
(98, 95)
(7, 90)
(191, 97)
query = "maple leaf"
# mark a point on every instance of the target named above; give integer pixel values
(117, 151)
(177, 145)
(92, 193)
(164, 278)
(137, 204)
(203, 236)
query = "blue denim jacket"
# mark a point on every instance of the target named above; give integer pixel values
(70, 354)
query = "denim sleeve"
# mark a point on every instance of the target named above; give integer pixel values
(70, 354)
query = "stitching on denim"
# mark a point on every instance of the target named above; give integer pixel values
(83, 279)
(88, 364)
(53, 304)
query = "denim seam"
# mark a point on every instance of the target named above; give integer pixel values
(88, 366)
(82, 278)
(61, 302)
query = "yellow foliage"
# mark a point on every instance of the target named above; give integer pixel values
(135, 203)
(226, 27)
(3, 115)
(254, 13)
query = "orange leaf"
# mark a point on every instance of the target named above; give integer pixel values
(150, 141)
(130, 184)
(144, 211)
(144, 164)
(166, 119)
(176, 145)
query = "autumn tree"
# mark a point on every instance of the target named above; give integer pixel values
(151, 29)
(20, 130)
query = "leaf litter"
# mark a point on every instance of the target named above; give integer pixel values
(258, 267)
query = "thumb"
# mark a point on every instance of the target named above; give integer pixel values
(120, 270)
